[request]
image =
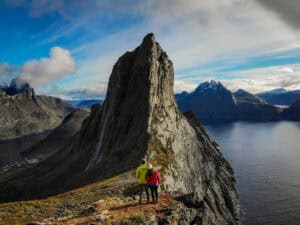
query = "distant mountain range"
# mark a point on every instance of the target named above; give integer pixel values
(85, 104)
(280, 96)
(213, 102)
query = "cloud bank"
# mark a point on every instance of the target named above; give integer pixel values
(199, 36)
(288, 10)
(45, 70)
(268, 78)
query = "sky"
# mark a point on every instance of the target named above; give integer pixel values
(67, 48)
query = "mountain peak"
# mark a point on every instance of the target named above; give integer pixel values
(18, 86)
(211, 86)
(148, 71)
(149, 38)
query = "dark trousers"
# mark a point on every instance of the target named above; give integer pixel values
(144, 188)
(154, 192)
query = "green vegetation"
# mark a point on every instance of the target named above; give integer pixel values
(136, 220)
(36, 210)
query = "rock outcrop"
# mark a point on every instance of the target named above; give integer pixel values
(18, 86)
(139, 119)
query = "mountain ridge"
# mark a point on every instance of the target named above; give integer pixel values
(24, 113)
(280, 96)
(212, 102)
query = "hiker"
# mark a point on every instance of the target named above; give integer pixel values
(153, 181)
(140, 173)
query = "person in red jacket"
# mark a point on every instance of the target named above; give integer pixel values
(153, 181)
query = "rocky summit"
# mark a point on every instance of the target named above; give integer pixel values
(139, 119)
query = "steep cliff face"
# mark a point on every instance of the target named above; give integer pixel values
(140, 119)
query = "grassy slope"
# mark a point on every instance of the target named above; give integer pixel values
(36, 210)
(106, 199)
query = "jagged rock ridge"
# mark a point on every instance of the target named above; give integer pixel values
(18, 86)
(22, 112)
(140, 118)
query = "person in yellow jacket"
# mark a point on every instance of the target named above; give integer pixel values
(140, 174)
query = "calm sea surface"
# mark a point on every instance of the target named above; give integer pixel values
(266, 161)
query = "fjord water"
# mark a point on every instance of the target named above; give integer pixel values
(266, 161)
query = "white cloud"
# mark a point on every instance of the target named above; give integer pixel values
(287, 10)
(264, 79)
(45, 70)
(197, 33)
(184, 85)
(96, 91)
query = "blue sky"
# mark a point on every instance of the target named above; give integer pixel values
(67, 48)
